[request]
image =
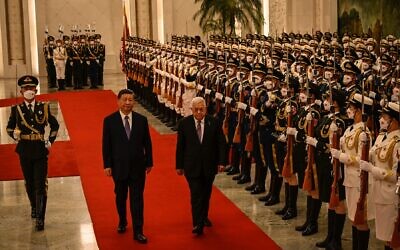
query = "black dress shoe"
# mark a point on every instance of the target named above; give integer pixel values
(198, 230)
(265, 198)
(39, 224)
(121, 227)
(140, 238)
(207, 223)
(250, 187)
(310, 230)
(302, 227)
(272, 201)
(244, 179)
(290, 214)
(228, 168)
(282, 211)
(236, 177)
(33, 213)
(258, 190)
(233, 171)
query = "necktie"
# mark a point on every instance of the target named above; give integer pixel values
(127, 127)
(30, 109)
(198, 129)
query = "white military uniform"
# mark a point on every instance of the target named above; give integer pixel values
(60, 58)
(384, 156)
(351, 146)
(190, 90)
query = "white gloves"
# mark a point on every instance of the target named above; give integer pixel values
(377, 173)
(219, 96)
(335, 153)
(47, 144)
(372, 94)
(311, 141)
(241, 105)
(16, 135)
(207, 91)
(199, 87)
(363, 137)
(291, 131)
(282, 138)
(228, 99)
(253, 111)
(318, 102)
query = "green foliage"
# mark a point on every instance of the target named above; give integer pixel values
(221, 15)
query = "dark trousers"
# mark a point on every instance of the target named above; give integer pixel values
(93, 73)
(77, 73)
(100, 73)
(68, 73)
(136, 188)
(51, 73)
(200, 194)
(35, 175)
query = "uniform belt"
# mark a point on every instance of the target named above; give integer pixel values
(32, 137)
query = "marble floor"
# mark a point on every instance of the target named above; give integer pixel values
(69, 225)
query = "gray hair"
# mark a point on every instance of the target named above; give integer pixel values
(196, 100)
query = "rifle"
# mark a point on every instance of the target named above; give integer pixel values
(225, 125)
(287, 170)
(361, 212)
(249, 137)
(238, 129)
(334, 198)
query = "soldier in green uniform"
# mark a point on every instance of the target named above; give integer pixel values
(26, 125)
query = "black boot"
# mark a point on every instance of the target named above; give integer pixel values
(308, 214)
(354, 233)
(312, 227)
(245, 170)
(331, 222)
(235, 162)
(271, 184)
(388, 247)
(260, 188)
(61, 84)
(363, 239)
(336, 242)
(276, 191)
(251, 187)
(291, 212)
(237, 177)
(256, 177)
(41, 201)
(283, 210)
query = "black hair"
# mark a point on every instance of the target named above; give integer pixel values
(123, 92)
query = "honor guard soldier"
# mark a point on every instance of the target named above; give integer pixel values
(77, 62)
(68, 64)
(351, 145)
(26, 125)
(383, 167)
(101, 57)
(350, 76)
(84, 70)
(60, 59)
(92, 61)
(48, 55)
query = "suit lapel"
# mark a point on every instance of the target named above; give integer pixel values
(206, 131)
(134, 126)
(121, 124)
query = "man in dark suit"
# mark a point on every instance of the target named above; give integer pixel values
(199, 156)
(127, 157)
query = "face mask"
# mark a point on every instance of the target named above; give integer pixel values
(370, 48)
(75, 43)
(328, 75)
(58, 44)
(346, 79)
(327, 105)
(187, 60)
(66, 42)
(384, 68)
(98, 40)
(303, 98)
(383, 124)
(269, 85)
(299, 68)
(234, 55)
(322, 51)
(249, 59)
(51, 43)
(350, 113)
(359, 54)
(91, 44)
(284, 92)
(284, 65)
(29, 94)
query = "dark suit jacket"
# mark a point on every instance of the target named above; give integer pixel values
(197, 158)
(126, 158)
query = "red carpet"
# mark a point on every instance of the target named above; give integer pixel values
(62, 161)
(167, 205)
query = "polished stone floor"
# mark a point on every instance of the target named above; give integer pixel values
(69, 225)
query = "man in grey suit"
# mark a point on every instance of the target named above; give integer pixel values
(200, 154)
(127, 157)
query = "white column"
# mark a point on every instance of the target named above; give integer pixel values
(265, 6)
(33, 41)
